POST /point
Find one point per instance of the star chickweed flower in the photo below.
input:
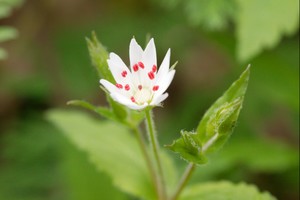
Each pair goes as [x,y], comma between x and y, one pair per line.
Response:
[144,84]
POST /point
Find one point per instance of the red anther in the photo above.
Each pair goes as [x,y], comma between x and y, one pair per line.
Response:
[140,87]
[132,99]
[119,86]
[127,87]
[154,68]
[135,67]
[124,73]
[151,75]
[141,65]
[155,88]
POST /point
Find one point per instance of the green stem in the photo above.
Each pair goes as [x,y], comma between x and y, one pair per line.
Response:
[154,144]
[184,180]
[149,164]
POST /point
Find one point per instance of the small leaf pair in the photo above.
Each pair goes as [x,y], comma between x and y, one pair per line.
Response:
[216,125]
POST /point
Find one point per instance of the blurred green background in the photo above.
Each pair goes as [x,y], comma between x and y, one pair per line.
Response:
[47,64]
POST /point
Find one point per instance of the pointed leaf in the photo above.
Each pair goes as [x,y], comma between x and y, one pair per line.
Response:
[99,57]
[216,125]
[113,150]
[228,104]
[110,147]
[224,190]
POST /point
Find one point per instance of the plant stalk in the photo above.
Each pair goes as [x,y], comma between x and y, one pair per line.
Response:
[155,148]
[143,146]
[184,180]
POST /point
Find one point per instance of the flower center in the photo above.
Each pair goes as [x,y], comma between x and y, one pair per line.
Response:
[142,95]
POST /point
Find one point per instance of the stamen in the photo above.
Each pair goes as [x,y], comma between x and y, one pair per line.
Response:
[141,65]
[151,75]
[135,67]
[154,68]
[127,87]
[119,86]
[124,73]
[132,99]
[155,88]
[140,87]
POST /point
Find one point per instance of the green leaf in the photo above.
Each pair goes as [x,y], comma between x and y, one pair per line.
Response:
[99,57]
[119,110]
[224,112]
[112,149]
[216,125]
[257,30]
[11,2]
[7,33]
[99,185]
[212,14]
[224,191]
[4,11]
[220,125]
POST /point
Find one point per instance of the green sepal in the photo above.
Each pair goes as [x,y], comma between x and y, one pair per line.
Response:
[99,57]
[130,118]
[102,111]
[216,126]
[120,111]
[134,118]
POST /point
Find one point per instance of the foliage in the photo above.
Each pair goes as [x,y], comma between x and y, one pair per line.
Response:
[216,125]
[89,183]
[254,32]
[273,93]
[40,158]
[117,154]
[6,32]
[264,29]
[99,57]
[129,163]
[224,190]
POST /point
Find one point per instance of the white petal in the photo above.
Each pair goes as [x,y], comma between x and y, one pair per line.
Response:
[117,66]
[165,65]
[149,55]
[126,101]
[135,53]
[164,83]
[108,85]
[158,99]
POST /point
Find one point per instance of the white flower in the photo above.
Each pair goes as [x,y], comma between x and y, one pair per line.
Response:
[144,84]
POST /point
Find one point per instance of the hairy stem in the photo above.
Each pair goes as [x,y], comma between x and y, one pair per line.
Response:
[184,180]
[155,148]
[143,146]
